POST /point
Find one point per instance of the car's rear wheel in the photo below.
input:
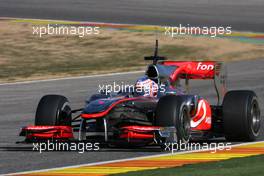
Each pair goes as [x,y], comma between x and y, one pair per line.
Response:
[172,111]
[53,110]
[241,116]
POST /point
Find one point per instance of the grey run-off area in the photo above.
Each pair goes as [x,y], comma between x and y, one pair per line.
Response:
[243,15]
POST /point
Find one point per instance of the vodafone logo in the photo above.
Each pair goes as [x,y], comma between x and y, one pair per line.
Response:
[202,66]
[201,110]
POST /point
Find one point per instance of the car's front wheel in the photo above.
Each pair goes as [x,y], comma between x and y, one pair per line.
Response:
[53,110]
[172,111]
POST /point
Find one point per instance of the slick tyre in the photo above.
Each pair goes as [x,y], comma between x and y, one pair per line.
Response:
[53,110]
[172,111]
[241,116]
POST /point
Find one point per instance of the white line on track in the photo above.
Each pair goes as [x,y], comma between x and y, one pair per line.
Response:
[71,78]
[121,160]
[107,23]
[92,22]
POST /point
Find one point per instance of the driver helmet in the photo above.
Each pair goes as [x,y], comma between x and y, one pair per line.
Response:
[146,87]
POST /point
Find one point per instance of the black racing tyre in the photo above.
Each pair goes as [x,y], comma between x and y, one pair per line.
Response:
[53,110]
[172,111]
[241,116]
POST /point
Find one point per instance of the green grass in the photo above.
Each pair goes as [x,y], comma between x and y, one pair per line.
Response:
[248,166]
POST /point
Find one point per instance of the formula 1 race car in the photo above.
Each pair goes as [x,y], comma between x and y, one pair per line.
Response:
[164,116]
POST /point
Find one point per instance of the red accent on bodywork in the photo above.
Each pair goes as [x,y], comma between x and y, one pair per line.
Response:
[138,132]
[133,135]
[141,128]
[46,132]
[193,69]
[202,120]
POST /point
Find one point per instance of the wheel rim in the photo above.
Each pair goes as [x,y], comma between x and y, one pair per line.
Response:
[255,118]
[64,114]
[185,126]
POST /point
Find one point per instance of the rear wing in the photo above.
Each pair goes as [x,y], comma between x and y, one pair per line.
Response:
[191,69]
[199,70]
[194,69]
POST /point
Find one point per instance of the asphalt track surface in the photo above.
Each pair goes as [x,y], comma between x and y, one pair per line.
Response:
[242,15]
[18,103]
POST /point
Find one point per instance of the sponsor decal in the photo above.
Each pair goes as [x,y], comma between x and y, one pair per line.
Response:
[202,66]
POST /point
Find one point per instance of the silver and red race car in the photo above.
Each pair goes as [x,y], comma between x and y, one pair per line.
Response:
[167,114]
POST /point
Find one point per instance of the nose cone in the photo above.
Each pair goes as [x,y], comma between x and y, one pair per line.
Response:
[98,106]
